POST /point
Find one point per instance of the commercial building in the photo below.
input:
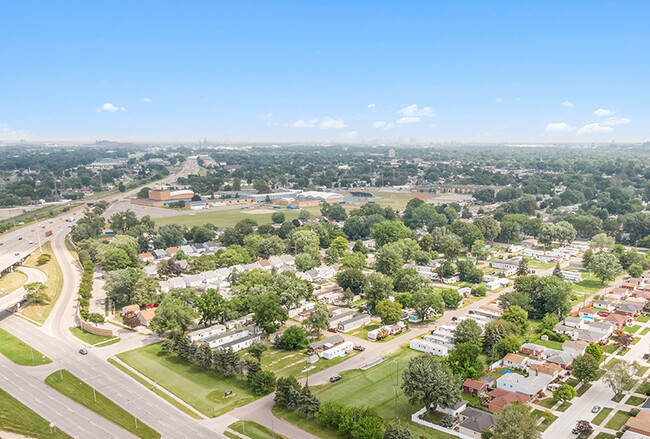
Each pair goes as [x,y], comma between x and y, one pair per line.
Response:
[164,197]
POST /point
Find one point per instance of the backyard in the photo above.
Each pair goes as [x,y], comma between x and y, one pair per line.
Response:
[202,390]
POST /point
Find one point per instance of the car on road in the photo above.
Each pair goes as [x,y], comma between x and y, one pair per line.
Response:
[335,378]
[83,351]
[332,329]
[359,348]
[646,356]
[16,254]
[20,238]
[595,409]
[575,430]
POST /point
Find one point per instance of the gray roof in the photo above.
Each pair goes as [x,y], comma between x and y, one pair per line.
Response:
[335,339]
[239,340]
[477,420]
[355,319]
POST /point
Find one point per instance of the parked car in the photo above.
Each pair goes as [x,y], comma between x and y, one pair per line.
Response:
[646,356]
[333,329]
[603,314]
[20,238]
[83,351]
[359,348]
[335,378]
[575,430]
[595,409]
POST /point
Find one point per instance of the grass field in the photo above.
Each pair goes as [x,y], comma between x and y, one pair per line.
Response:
[20,352]
[12,281]
[643,319]
[202,390]
[618,420]
[228,218]
[78,391]
[155,389]
[373,388]
[254,430]
[635,400]
[93,339]
[549,418]
[603,435]
[632,329]
[285,363]
[17,418]
[53,284]
[600,417]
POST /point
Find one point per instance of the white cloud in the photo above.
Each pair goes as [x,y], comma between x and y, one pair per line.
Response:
[350,135]
[413,110]
[611,121]
[559,127]
[371,106]
[384,125]
[110,107]
[6,133]
[568,104]
[603,112]
[595,128]
[304,123]
[499,100]
[266,115]
[146,100]
[329,123]
[408,120]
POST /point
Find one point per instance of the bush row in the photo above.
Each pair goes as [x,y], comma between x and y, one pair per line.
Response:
[86,286]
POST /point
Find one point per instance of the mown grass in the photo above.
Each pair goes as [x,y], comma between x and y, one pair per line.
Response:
[12,281]
[75,389]
[93,339]
[20,352]
[228,218]
[53,285]
[19,419]
[254,430]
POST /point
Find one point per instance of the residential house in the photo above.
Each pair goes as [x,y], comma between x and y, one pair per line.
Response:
[529,385]
[225,340]
[603,327]
[575,347]
[354,323]
[265,264]
[589,336]
[276,261]
[575,322]
[159,254]
[387,329]
[455,409]
[549,369]
[604,305]
[241,343]
[473,422]
[640,423]
[194,280]
[532,349]
[146,257]
[334,321]
[451,279]
[588,312]
[203,333]
[628,309]
[337,351]
[515,361]
[288,259]
[571,276]
[150,270]
[171,251]
[318,346]
[503,264]
[561,358]
[130,308]
[146,315]
[475,387]
[429,347]
[499,398]
[620,320]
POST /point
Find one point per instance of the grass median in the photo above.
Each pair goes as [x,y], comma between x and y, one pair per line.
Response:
[254,430]
[12,281]
[92,339]
[80,392]
[53,285]
[19,419]
[20,352]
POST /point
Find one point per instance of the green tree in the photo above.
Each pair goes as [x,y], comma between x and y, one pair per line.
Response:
[389,312]
[585,368]
[294,337]
[305,241]
[277,217]
[602,241]
[305,262]
[596,351]
[518,316]
[264,382]
[257,349]
[390,231]
[36,293]
[211,306]
[452,298]
[489,227]
[389,260]
[446,269]
[468,331]
[172,315]
[635,270]
[465,361]
[516,422]
[116,259]
[378,288]
[429,381]
[426,301]
[619,377]
[549,321]
[564,393]
[172,234]
[318,320]
[605,266]
[352,279]
[270,315]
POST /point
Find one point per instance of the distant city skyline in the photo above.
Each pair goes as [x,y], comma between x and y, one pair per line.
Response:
[326,72]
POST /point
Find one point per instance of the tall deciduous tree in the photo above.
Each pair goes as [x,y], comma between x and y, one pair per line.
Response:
[516,422]
[430,381]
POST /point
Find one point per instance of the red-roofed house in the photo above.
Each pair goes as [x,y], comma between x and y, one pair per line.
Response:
[499,398]
[475,387]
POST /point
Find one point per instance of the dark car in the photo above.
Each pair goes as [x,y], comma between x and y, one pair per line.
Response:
[359,348]
[83,351]
[646,356]
[335,378]
[575,430]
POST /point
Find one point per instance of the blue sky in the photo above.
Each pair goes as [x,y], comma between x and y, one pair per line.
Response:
[327,71]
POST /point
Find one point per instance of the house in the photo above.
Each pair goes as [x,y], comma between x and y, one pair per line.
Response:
[354,323]
[562,359]
[620,320]
[465,292]
[455,409]
[589,336]
[159,254]
[235,340]
[529,386]
[334,321]
[337,351]
[203,333]
[428,347]
[475,387]
[604,327]
[194,280]
[503,264]
[499,398]
[640,423]
[146,315]
[628,309]
[288,259]
[451,279]
[171,251]
[146,257]
[386,329]
[604,304]
[532,349]
[515,361]
[571,276]
[174,282]
[265,264]
[473,422]
[588,312]
[150,270]
[318,346]
[130,308]
[549,369]
[575,347]
[276,261]
[575,322]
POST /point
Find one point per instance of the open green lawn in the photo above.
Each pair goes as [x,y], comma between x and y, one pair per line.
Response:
[373,388]
[20,352]
[582,389]
[17,418]
[362,333]
[550,402]
[618,420]
[284,363]
[533,263]
[600,417]
[611,348]
[549,344]
[12,281]
[632,329]
[603,435]
[93,339]
[643,319]
[228,218]
[53,284]
[635,400]
[642,370]
[77,390]
[644,388]
[549,418]
[645,331]
[202,390]
[155,389]
[254,430]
